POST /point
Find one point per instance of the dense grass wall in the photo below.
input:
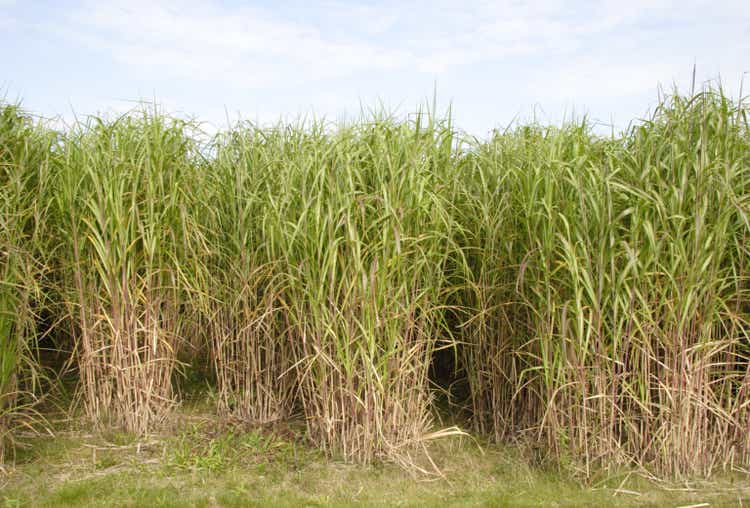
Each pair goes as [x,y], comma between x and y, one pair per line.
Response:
[593,290]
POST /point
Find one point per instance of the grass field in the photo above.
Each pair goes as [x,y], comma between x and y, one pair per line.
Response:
[384,286]
[197,463]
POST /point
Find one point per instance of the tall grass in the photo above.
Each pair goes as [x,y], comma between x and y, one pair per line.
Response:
[24,165]
[592,290]
[366,240]
[237,284]
[122,202]
[611,294]
[328,277]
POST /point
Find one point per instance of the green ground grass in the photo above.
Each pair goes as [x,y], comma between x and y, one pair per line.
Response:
[201,463]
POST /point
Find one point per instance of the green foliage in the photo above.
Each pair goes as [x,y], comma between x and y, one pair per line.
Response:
[122,196]
[608,309]
[193,451]
[593,292]
[24,155]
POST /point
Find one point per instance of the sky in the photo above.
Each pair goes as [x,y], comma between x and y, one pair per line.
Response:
[493,62]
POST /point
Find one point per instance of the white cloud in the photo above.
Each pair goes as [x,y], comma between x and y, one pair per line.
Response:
[251,46]
[255,47]
[6,20]
[202,41]
[325,55]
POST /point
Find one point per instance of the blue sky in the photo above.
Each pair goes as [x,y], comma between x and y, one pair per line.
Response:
[493,61]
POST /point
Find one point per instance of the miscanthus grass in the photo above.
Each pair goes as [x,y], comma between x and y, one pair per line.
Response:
[325,276]
[609,289]
[237,283]
[591,292]
[364,234]
[24,167]
[122,198]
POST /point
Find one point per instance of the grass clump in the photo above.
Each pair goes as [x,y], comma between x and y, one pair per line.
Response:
[611,294]
[364,235]
[25,150]
[237,282]
[328,267]
[121,202]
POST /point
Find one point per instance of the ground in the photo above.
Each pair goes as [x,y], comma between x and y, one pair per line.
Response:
[198,462]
